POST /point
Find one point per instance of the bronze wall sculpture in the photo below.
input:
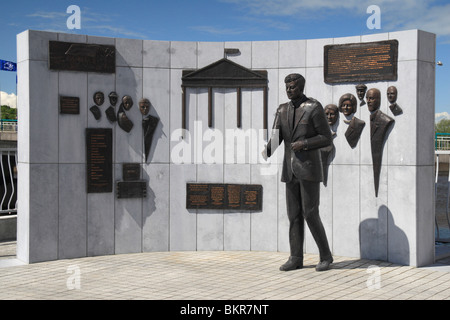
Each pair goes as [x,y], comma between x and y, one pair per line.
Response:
[380,126]
[82,57]
[348,106]
[69,105]
[392,94]
[99,98]
[149,124]
[361,62]
[361,90]
[96,112]
[224,74]
[99,160]
[113,98]
[132,187]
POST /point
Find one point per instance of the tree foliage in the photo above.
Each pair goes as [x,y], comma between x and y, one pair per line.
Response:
[9,113]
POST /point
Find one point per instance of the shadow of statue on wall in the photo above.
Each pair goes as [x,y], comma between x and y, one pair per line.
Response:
[381,239]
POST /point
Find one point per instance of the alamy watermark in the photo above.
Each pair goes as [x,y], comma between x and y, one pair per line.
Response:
[74,21]
[74,280]
[374,280]
[374,21]
[234,146]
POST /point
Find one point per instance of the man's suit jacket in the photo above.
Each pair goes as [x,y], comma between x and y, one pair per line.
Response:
[311,126]
[354,131]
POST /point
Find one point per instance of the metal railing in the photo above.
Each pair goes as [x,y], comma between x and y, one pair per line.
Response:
[8,181]
[8,125]
[442,196]
[442,142]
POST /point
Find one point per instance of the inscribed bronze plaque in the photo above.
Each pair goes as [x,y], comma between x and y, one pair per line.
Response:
[69,105]
[82,57]
[131,189]
[224,196]
[99,160]
[361,62]
[131,171]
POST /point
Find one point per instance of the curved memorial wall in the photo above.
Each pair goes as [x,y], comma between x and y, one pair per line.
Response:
[137,146]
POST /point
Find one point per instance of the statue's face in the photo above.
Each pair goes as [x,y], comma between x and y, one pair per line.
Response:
[293,90]
[332,116]
[113,98]
[392,94]
[99,98]
[127,102]
[373,99]
[361,93]
[347,108]
[144,106]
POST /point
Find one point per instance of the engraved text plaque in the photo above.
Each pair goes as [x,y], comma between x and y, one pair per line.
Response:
[99,160]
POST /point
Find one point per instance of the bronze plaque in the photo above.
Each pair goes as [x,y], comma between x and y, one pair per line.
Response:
[224,196]
[131,171]
[131,189]
[99,160]
[361,62]
[82,57]
[69,105]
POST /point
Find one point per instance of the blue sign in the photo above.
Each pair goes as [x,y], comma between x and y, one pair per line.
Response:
[8,65]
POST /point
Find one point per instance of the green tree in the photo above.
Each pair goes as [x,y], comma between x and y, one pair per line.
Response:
[9,113]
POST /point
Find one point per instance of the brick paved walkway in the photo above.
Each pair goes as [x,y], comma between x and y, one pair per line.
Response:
[217,276]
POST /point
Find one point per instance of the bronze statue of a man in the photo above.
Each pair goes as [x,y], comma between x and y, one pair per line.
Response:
[302,125]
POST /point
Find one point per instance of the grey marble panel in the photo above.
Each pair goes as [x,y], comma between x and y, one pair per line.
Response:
[346,210]
[129,146]
[292,54]
[72,148]
[129,52]
[43,214]
[183,222]
[100,224]
[72,224]
[44,131]
[156,54]
[156,84]
[210,223]
[155,227]
[127,221]
[264,223]
[237,224]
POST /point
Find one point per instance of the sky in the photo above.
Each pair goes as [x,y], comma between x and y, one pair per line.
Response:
[228,20]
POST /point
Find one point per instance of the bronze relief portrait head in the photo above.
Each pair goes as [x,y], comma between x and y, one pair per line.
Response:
[373,98]
[144,106]
[347,104]
[332,113]
[113,98]
[99,98]
[392,94]
[361,91]
[127,102]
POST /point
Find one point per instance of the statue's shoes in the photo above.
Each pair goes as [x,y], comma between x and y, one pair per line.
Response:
[324,265]
[293,263]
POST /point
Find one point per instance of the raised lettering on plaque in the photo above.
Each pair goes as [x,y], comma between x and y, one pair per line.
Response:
[99,160]
[361,62]
[82,57]
[224,196]
[69,105]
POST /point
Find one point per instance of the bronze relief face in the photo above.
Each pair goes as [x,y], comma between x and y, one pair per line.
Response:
[373,98]
[361,92]
[347,104]
[127,102]
[113,98]
[392,94]
[144,106]
[332,113]
[99,98]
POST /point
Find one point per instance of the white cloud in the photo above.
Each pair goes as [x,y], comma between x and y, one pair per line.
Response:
[427,15]
[442,115]
[8,99]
